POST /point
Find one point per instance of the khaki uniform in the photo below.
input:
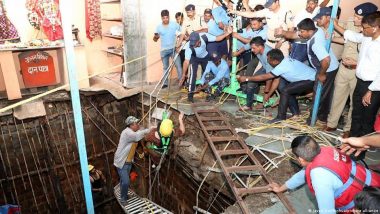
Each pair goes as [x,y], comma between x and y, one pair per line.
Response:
[282,18]
[191,25]
[345,82]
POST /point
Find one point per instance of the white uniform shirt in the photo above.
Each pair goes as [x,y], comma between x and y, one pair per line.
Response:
[368,68]
[282,18]
[304,15]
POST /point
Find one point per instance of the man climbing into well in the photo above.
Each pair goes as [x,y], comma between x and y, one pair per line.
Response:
[331,175]
[125,153]
[161,138]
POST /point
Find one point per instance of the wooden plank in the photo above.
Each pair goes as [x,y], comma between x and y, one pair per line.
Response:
[242,168]
[8,69]
[232,152]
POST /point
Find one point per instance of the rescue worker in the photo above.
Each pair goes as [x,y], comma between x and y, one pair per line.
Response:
[196,54]
[332,176]
[161,137]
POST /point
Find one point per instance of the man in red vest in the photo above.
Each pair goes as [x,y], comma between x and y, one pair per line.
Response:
[332,176]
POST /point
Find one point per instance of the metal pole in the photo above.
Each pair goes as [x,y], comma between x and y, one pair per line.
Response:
[65,7]
[318,92]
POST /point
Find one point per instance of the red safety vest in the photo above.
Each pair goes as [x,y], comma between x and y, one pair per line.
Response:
[353,176]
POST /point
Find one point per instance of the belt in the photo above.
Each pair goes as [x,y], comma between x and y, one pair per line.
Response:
[272,41]
[351,67]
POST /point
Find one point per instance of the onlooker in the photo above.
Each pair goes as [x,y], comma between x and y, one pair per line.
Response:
[366,97]
[298,50]
[345,80]
[254,29]
[167,32]
[214,29]
[192,23]
[276,16]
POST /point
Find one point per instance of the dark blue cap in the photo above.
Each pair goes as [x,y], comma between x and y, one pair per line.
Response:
[194,38]
[215,57]
[365,9]
[324,11]
[189,7]
[269,3]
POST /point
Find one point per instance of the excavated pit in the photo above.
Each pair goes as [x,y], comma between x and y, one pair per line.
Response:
[40,164]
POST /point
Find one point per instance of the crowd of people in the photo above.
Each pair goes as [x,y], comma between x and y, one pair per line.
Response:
[289,53]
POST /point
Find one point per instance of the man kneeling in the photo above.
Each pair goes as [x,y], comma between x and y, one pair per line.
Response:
[332,176]
[217,74]
[298,79]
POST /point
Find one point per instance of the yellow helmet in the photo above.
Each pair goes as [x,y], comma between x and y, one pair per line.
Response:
[166,128]
[90,167]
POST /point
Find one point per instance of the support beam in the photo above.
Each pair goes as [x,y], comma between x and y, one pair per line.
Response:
[318,93]
[65,7]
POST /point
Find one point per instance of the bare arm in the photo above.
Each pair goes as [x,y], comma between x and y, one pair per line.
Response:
[224,35]
[242,39]
[274,86]
[324,3]
[338,28]
[217,2]
[325,63]
[181,124]
[258,78]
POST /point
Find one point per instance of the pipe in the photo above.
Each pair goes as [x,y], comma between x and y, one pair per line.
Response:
[25,163]
[9,164]
[328,45]
[65,7]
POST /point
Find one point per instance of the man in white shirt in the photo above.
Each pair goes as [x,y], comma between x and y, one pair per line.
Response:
[366,97]
[298,47]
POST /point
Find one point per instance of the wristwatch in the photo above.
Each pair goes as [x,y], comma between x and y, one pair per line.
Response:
[246,79]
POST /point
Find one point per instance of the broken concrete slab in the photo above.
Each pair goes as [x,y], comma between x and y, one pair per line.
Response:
[302,200]
[32,109]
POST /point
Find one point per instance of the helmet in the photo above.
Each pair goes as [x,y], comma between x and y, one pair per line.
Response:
[90,167]
[166,128]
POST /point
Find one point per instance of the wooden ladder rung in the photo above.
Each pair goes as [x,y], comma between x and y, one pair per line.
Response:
[217,128]
[211,118]
[233,169]
[226,139]
[232,152]
[253,190]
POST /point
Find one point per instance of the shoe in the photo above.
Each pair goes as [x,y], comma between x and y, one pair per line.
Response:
[275,120]
[210,98]
[164,86]
[346,134]
[328,129]
[245,108]
[124,203]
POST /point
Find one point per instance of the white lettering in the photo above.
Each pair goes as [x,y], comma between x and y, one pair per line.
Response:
[38,56]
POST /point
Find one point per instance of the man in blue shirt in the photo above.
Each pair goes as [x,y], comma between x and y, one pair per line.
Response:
[197,54]
[255,28]
[217,74]
[260,49]
[167,32]
[299,80]
[323,61]
[214,29]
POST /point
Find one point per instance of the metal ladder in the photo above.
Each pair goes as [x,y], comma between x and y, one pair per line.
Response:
[229,148]
[138,205]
